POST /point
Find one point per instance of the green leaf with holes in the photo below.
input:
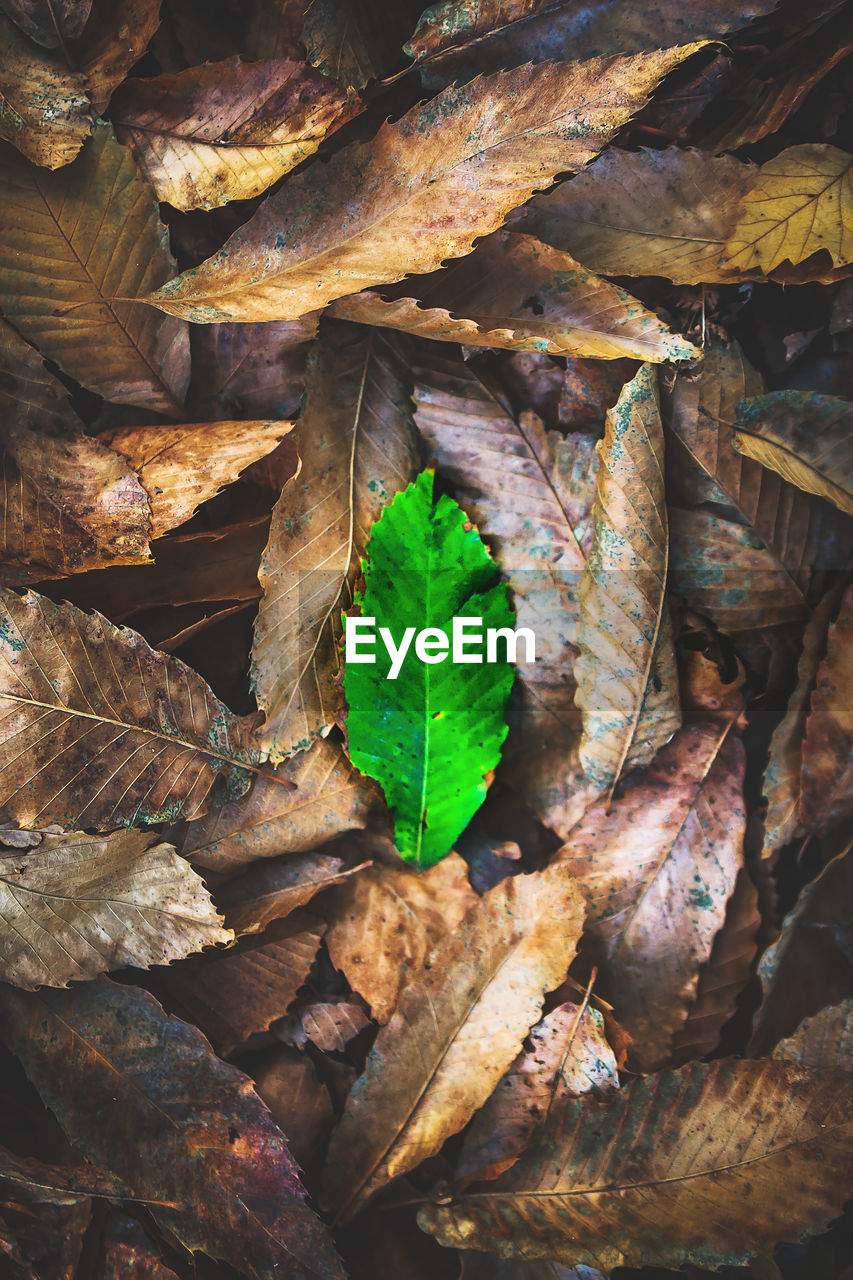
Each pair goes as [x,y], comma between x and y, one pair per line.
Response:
[430,734]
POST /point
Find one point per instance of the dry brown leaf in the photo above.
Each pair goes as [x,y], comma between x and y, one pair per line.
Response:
[800,203]
[44,111]
[384,922]
[71,504]
[823,1041]
[129,1253]
[627,683]
[355,41]
[419,192]
[487,1266]
[826,789]
[116,37]
[568,1054]
[107,731]
[299,1103]
[182,466]
[530,492]
[705,694]
[226,130]
[636,213]
[49,22]
[356,440]
[457,1028]
[270,890]
[82,905]
[330,1025]
[29,395]
[274,29]
[806,438]
[514,291]
[250,370]
[657,870]
[309,799]
[696,1164]
[73,240]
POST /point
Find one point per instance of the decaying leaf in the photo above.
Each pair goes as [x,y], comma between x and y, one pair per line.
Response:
[805,438]
[636,213]
[309,799]
[80,905]
[330,1025]
[568,1054]
[626,676]
[657,870]
[385,921]
[116,37]
[73,240]
[49,22]
[823,1041]
[420,192]
[514,291]
[530,492]
[129,1253]
[250,370]
[799,204]
[270,890]
[108,731]
[456,1029]
[692,1164]
[355,41]
[357,445]
[217,1171]
[71,504]
[44,111]
[226,130]
[183,466]
[826,794]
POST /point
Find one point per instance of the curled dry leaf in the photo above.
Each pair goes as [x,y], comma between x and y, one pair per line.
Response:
[49,22]
[356,441]
[183,466]
[306,800]
[806,438]
[82,905]
[636,213]
[657,869]
[410,195]
[226,130]
[152,1103]
[74,239]
[799,204]
[355,41]
[108,731]
[457,1028]
[823,1041]
[530,492]
[270,890]
[71,505]
[516,292]
[826,794]
[568,1054]
[627,683]
[45,112]
[384,922]
[694,1163]
[29,395]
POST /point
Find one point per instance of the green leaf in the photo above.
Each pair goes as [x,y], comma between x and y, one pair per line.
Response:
[430,735]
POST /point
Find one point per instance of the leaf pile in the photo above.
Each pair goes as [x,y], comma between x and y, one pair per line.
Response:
[320,311]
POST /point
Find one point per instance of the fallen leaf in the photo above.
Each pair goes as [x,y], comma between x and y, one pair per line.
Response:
[250,370]
[516,292]
[822,1042]
[635,213]
[49,22]
[657,870]
[355,41]
[384,922]
[226,130]
[799,204]
[183,466]
[60,1184]
[73,239]
[300,251]
[29,395]
[627,684]
[330,1025]
[568,1054]
[299,1103]
[82,905]
[693,1164]
[826,789]
[142,1094]
[116,37]
[486,1266]
[45,112]
[357,444]
[270,890]
[314,796]
[457,1028]
[274,29]
[530,493]
[128,1253]
[72,504]
[803,437]
[108,732]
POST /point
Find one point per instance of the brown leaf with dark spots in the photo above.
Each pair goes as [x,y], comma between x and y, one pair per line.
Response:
[45,112]
[49,22]
[142,1094]
[129,1253]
